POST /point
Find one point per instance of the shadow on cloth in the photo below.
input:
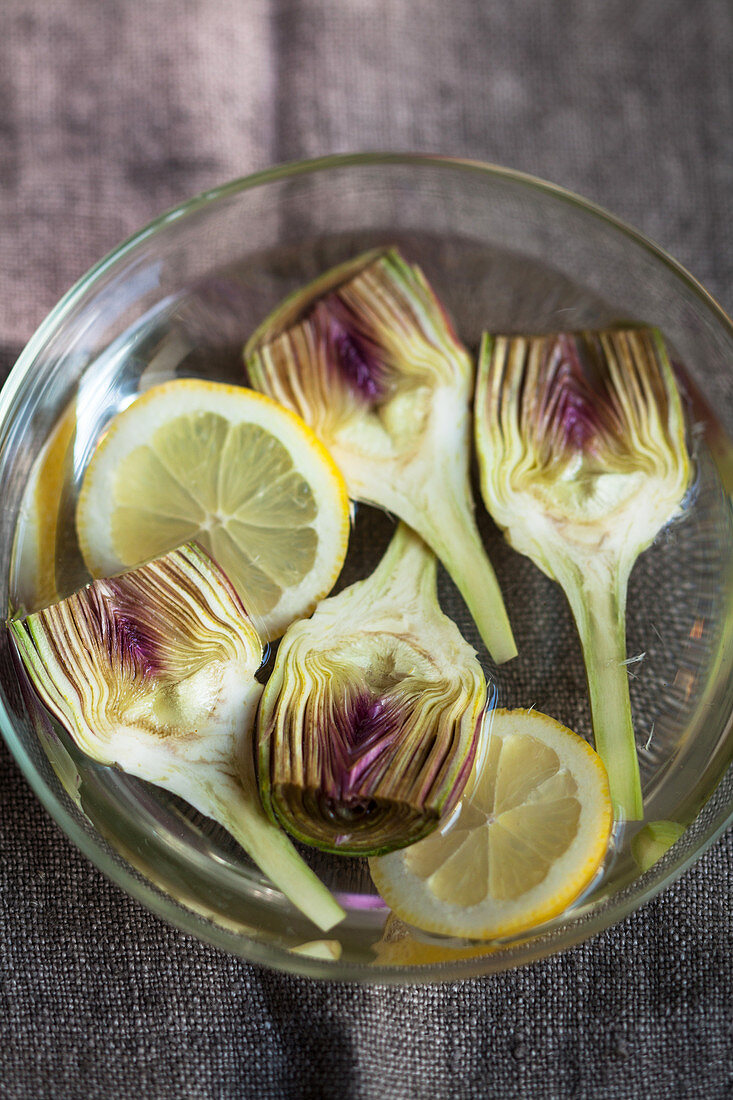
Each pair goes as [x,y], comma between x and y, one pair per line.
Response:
[317,1055]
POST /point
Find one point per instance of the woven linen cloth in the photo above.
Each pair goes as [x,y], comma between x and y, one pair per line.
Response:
[109,114]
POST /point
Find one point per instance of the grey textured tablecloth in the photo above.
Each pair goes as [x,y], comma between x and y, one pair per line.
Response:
[111,112]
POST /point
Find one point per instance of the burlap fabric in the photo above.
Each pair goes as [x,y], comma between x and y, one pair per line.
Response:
[109,113]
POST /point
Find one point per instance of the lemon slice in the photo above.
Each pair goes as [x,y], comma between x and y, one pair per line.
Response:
[39,541]
[532,831]
[399,946]
[231,469]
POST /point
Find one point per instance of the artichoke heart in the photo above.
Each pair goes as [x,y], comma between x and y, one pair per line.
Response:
[370,723]
[367,357]
[154,672]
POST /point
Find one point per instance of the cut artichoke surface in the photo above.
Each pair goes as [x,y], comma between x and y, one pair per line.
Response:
[367,357]
[583,460]
[371,720]
[154,672]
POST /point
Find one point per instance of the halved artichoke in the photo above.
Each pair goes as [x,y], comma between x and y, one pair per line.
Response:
[583,459]
[368,727]
[154,672]
[367,357]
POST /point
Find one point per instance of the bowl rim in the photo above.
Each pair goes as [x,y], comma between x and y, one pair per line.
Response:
[144,891]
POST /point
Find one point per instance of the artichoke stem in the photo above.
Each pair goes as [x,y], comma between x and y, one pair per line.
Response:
[600,616]
[454,538]
[242,815]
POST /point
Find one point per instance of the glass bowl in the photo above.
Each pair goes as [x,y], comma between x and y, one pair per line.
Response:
[505,252]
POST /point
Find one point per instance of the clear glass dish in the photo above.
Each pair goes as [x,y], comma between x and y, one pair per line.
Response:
[505,252]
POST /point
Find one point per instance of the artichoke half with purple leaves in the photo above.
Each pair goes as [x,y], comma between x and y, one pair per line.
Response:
[154,672]
[583,460]
[367,357]
[370,723]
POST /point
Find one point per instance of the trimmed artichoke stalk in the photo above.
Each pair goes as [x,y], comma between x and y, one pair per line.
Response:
[154,672]
[369,725]
[582,453]
[367,357]
[654,841]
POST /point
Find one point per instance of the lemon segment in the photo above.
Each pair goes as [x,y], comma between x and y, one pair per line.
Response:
[231,469]
[532,831]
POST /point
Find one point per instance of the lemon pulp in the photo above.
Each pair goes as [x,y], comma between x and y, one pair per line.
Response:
[532,831]
[234,471]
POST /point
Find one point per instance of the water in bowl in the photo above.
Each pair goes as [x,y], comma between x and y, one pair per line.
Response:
[679,609]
